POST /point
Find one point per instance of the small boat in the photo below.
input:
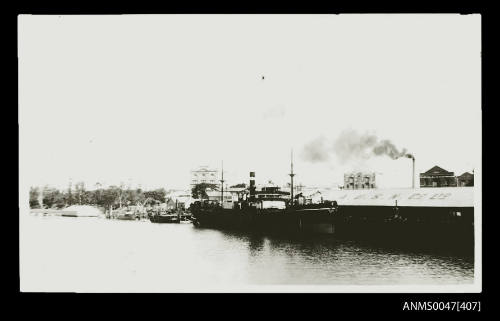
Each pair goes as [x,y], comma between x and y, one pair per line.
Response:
[127,215]
[165,218]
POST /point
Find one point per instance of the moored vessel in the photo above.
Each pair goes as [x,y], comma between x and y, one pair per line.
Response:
[164,217]
[267,210]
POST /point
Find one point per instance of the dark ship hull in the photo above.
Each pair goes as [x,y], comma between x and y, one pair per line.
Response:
[419,228]
[291,220]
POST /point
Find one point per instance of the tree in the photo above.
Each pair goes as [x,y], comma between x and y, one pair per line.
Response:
[52,197]
[34,193]
[109,196]
[80,191]
[200,190]
[134,196]
[139,196]
[157,194]
[89,197]
[69,198]
[112,196]
[241,185]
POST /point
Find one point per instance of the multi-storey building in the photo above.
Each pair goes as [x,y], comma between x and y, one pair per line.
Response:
[359,180]
[204,174]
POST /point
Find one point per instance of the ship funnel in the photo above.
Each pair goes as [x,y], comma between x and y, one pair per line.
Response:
[252,187]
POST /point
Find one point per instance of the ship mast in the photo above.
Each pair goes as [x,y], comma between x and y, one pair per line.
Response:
[291,178]
[222,185]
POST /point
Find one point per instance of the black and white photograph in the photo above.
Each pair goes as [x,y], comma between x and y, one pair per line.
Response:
[250,153]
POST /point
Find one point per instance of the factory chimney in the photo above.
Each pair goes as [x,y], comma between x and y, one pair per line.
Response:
[413,172]
[413,169]
[252,187]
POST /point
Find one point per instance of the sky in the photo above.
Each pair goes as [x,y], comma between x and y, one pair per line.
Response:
[143,99]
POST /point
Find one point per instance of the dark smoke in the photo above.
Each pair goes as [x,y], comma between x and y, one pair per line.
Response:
[386,147]
[351,145]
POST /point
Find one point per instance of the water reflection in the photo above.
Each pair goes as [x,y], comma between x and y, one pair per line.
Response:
[82,254]
[326,260]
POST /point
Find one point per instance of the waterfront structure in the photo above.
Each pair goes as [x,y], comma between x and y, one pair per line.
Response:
[182,197]
[420,216]
[466,179]
[438,177]
[204,174]
[359,180]
[359,211]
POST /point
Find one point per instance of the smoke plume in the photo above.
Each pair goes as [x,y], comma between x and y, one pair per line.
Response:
[352,146]
[316,151]
[386,147]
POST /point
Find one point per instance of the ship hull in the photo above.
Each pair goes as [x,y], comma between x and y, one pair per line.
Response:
[429,227]
[282,221]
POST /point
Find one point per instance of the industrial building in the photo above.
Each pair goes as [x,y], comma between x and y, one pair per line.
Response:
[466,179]
[438,177]
[359,180]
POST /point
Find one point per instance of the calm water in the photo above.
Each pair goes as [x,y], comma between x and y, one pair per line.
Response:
[99,255]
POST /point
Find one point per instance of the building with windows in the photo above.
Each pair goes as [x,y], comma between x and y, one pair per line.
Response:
[359,180]
[204,174]
[437,177]
[466,179]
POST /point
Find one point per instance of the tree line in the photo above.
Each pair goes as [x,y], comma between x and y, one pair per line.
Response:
[114,196]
